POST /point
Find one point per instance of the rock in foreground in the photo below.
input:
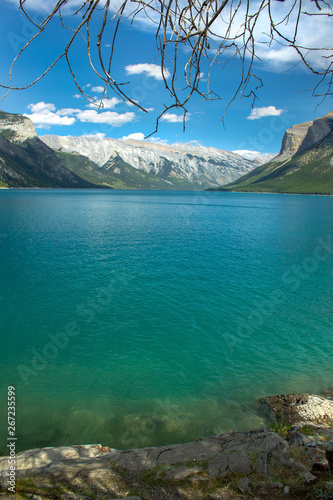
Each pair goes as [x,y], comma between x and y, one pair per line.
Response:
[258,464]
[292,409]
[234,465]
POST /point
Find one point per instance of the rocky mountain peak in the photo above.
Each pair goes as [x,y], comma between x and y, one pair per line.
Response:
[293,138]
[16,128]
[304,165]
[305,135]
[318,131]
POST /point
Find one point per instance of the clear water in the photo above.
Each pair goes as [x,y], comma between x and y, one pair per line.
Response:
[181,310]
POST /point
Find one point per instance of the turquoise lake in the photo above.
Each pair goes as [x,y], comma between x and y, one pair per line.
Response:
[135,318]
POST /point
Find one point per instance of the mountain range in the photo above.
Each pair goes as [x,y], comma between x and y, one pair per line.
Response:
[147,165]
[304,165]
[27,160]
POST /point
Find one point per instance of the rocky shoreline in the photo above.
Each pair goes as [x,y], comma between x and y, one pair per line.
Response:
[292,459]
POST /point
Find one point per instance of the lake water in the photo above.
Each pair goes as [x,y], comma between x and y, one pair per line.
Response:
[133,318]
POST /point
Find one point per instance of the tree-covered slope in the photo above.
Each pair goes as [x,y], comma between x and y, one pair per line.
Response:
[25,161]
[308,171]
[33,164]
[118,174]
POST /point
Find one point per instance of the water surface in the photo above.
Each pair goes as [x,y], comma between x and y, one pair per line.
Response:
[140,318]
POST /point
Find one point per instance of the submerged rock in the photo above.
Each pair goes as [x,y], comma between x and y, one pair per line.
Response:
[259,462]
[291,409]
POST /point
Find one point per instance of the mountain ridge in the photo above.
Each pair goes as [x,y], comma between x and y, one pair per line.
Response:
[179,165]
[304,165]
[25,161]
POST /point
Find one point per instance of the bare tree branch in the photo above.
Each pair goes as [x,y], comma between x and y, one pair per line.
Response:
[191,36]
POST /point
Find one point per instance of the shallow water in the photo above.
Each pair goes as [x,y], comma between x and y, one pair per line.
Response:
[142,318]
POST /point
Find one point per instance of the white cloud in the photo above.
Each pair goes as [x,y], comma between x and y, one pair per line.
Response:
[136,136]
[152,70]
[194,142]
[46,6]
[43,115]
[202,77]
[45,120]
[139,136]
[41,107]
[96,135]
[131,105]
[173,118]
[246,153]
[108,117]
[98,89]
[77,96]
[158,140]
[105,103]
[254,155]
[67,111]
[313,31]
[257,113]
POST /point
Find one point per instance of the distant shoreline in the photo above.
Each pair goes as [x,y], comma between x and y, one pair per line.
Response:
[212,190]
[264,192]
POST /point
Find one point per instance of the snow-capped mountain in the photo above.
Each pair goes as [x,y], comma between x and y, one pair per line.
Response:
[205,167]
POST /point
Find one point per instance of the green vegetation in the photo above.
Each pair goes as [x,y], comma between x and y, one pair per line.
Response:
[301,455]
[33,164]
[310,172]
[85,168]
[32,487]
[306,430]
[154,483]
[12,117]
[15,174]
[281,429]
[8,134]
[118,174]
[25,161]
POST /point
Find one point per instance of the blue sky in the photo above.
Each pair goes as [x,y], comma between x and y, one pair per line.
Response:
[56,106]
